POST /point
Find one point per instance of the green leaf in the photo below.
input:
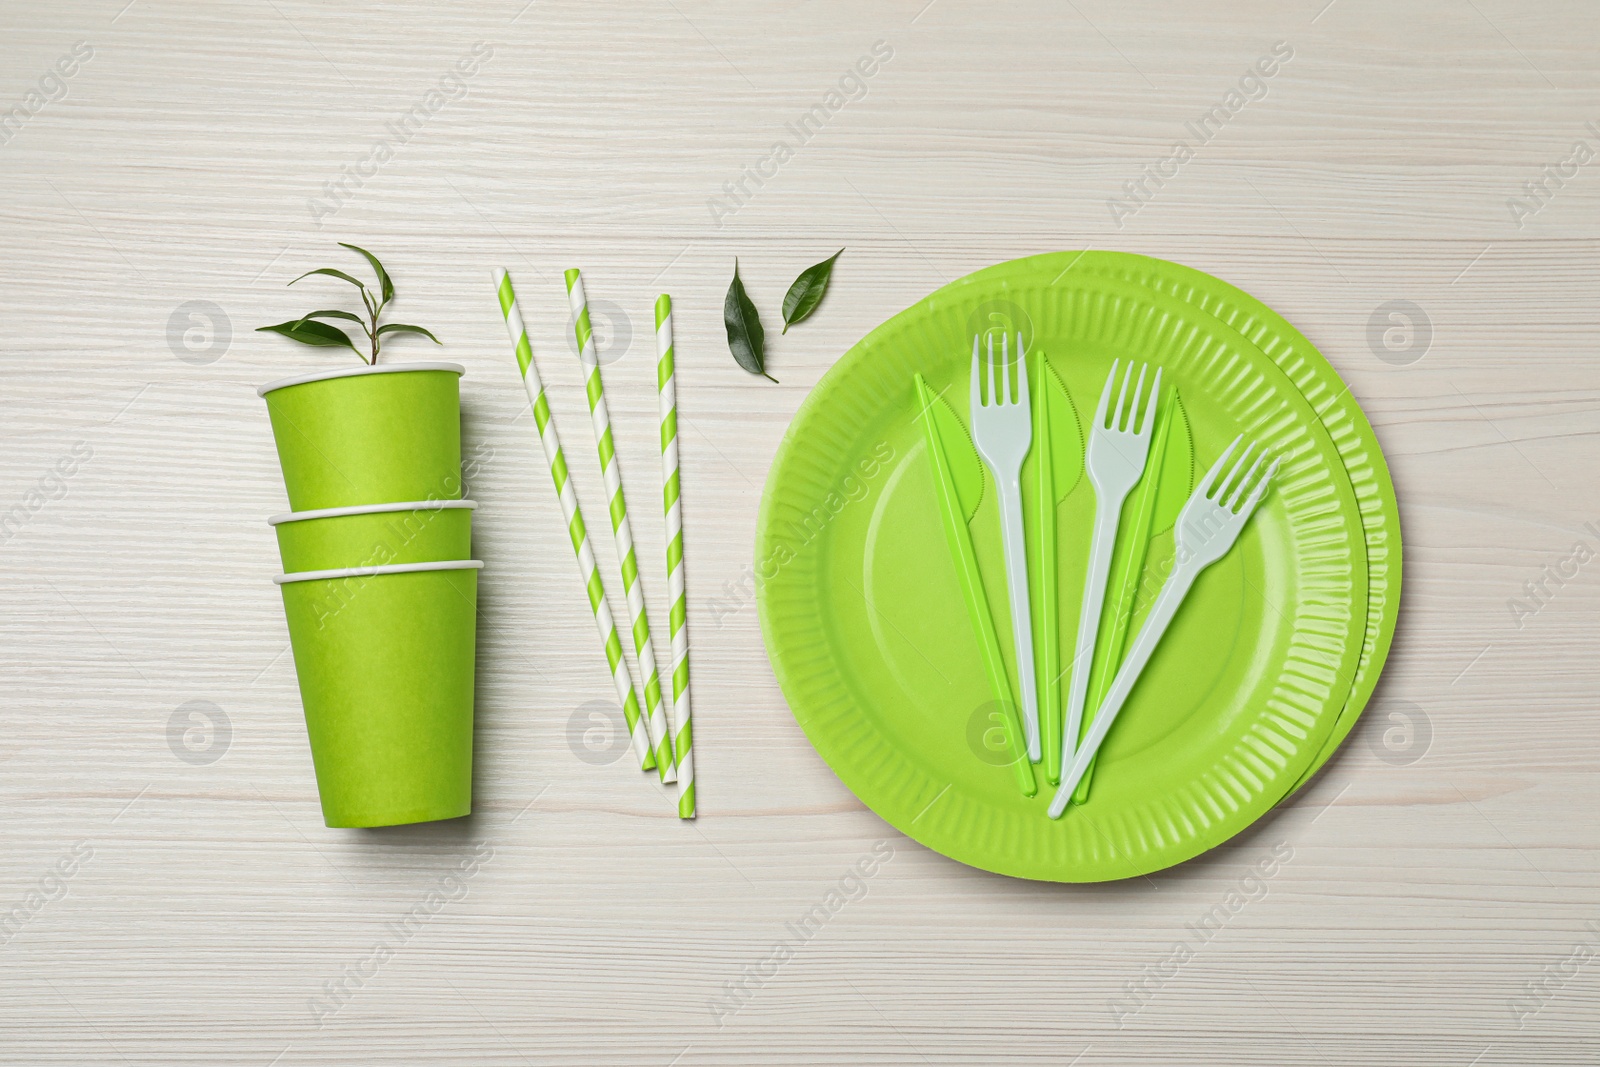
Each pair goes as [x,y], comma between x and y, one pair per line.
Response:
[335,315]
[806,292]
[330,272]
[310,332]
[400,327]
[384,284]
[746,339]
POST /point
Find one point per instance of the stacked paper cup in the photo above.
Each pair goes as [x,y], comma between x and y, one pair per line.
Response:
[379,586]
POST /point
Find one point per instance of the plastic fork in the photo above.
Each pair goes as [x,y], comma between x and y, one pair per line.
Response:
[1002,429]
[1207,528]
[1119,445]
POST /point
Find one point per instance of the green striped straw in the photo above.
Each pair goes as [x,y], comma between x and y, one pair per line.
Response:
[666,381]
[656,718]
[575,527]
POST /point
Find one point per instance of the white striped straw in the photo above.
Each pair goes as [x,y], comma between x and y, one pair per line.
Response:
[666,381]
[655,717]
[576,529]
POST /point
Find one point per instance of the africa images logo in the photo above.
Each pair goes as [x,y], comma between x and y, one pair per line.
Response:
[1251,88]
[850,88]
[52,86]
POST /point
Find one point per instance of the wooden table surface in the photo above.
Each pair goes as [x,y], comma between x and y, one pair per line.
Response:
[167,167]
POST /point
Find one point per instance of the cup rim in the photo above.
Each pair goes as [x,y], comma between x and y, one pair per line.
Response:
[368,509]
[387,568]
[351,372]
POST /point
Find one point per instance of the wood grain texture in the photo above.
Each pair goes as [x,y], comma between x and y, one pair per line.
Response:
[1421,898]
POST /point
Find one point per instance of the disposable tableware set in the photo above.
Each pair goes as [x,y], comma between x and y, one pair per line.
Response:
[1192,588]
[1164,610]
[661,735]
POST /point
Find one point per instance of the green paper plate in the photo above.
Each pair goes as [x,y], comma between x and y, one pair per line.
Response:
[869,637]
[1352,434]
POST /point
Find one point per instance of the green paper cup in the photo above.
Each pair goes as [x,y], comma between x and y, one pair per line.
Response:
[385,660]
[368,435]
[374,535]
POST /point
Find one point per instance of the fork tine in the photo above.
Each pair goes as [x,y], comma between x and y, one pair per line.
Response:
[977,388]
[1150,404]
[1022,373]
[1236,494]
[1261,491]
[1122,397]
[994,397]
[1138,394]
[1105,396]
[1005,368]
[1229,483]
[1210,480]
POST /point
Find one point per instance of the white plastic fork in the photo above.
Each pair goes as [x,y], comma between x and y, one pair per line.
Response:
[1119,445]
[1003,431]
[1207,527]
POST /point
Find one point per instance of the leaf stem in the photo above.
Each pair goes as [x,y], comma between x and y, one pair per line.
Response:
[371,304]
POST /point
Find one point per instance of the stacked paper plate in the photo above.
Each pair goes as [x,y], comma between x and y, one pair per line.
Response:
[1267,665]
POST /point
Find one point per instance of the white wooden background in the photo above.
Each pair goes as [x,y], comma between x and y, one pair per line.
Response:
[1432,884]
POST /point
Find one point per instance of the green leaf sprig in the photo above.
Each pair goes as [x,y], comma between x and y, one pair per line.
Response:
[308,331]
[807,291]
[746,339]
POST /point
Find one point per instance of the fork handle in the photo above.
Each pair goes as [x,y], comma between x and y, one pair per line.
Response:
[1016,552]
[1171,597]
[1102,546]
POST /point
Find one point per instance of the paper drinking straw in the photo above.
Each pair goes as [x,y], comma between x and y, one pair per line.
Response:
[575,527]
[666,382]
[656,718]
